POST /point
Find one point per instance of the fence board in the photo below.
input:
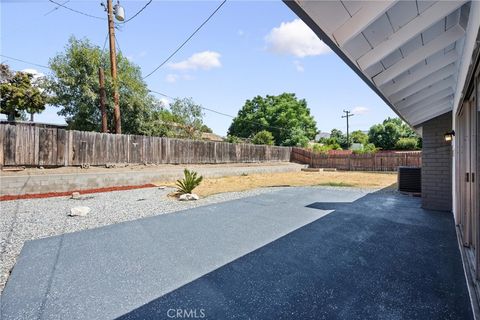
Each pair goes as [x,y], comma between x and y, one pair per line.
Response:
[9,146]
[2,142]
[47,152]
[61,147]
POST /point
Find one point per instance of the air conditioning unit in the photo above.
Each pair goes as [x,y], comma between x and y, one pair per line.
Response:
[410,179]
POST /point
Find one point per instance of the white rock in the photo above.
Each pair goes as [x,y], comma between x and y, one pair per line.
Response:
[75,195]
[79,211]
[194,196]
[188,197]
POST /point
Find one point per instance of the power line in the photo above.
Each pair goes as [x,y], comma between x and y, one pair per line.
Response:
[118,45]
[102,60]
[221,113]
[24,61]
[56,8]
[162,94]
[105,43]
[77,11]
[138,12]
[188,39]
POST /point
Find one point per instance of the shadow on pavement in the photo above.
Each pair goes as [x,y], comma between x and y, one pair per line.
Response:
[379,257]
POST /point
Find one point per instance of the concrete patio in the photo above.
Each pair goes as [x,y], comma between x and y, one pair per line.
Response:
[318,252]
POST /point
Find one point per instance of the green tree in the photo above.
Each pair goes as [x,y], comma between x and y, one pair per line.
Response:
[404,129]
[406,144]
[263,137]
[386,134]
[75,89]
[189,114]
[19,95]
[161,123]
[282,115]
[337,137]
[5,73]
[359,137]
[297,137]
[206,129]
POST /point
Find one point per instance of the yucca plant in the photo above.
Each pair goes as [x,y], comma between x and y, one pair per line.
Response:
[190,181]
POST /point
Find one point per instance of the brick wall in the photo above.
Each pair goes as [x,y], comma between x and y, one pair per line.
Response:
[437,164]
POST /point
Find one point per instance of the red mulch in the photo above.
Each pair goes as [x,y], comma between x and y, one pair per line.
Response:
[68,193]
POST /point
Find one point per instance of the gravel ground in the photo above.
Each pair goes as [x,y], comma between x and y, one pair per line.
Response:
[24,220]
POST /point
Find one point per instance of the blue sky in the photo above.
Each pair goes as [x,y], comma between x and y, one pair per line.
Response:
[249,48]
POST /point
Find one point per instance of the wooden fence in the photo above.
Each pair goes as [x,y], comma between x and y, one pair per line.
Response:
[27,145]
[380,161]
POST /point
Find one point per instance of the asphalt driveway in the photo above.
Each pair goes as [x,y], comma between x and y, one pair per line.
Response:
[297,253]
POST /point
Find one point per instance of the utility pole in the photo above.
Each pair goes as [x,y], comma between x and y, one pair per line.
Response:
[113,68]
[103,98]
[347,115]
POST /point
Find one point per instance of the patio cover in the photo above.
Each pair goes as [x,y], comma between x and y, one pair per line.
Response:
[414,54]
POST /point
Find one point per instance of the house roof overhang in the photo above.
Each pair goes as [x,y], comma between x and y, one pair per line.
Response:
[412,53]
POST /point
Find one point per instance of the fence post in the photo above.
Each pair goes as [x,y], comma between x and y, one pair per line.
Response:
[2,144]
[128,148]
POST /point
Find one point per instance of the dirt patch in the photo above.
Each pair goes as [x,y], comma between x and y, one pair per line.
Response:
[244,182]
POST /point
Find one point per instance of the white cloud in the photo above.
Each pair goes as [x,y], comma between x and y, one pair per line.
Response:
[172,77]
[136,56]
[360,110]
[201,60]
[298,66]
[295,38]
[240,32]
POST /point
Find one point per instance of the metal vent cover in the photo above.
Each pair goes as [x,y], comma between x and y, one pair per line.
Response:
[410,179]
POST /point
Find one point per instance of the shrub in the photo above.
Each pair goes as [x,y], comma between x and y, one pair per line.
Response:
[406,144]
[323,148]
[263,137]
[233,139]
[335,146]
[367,148]
[190,181]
